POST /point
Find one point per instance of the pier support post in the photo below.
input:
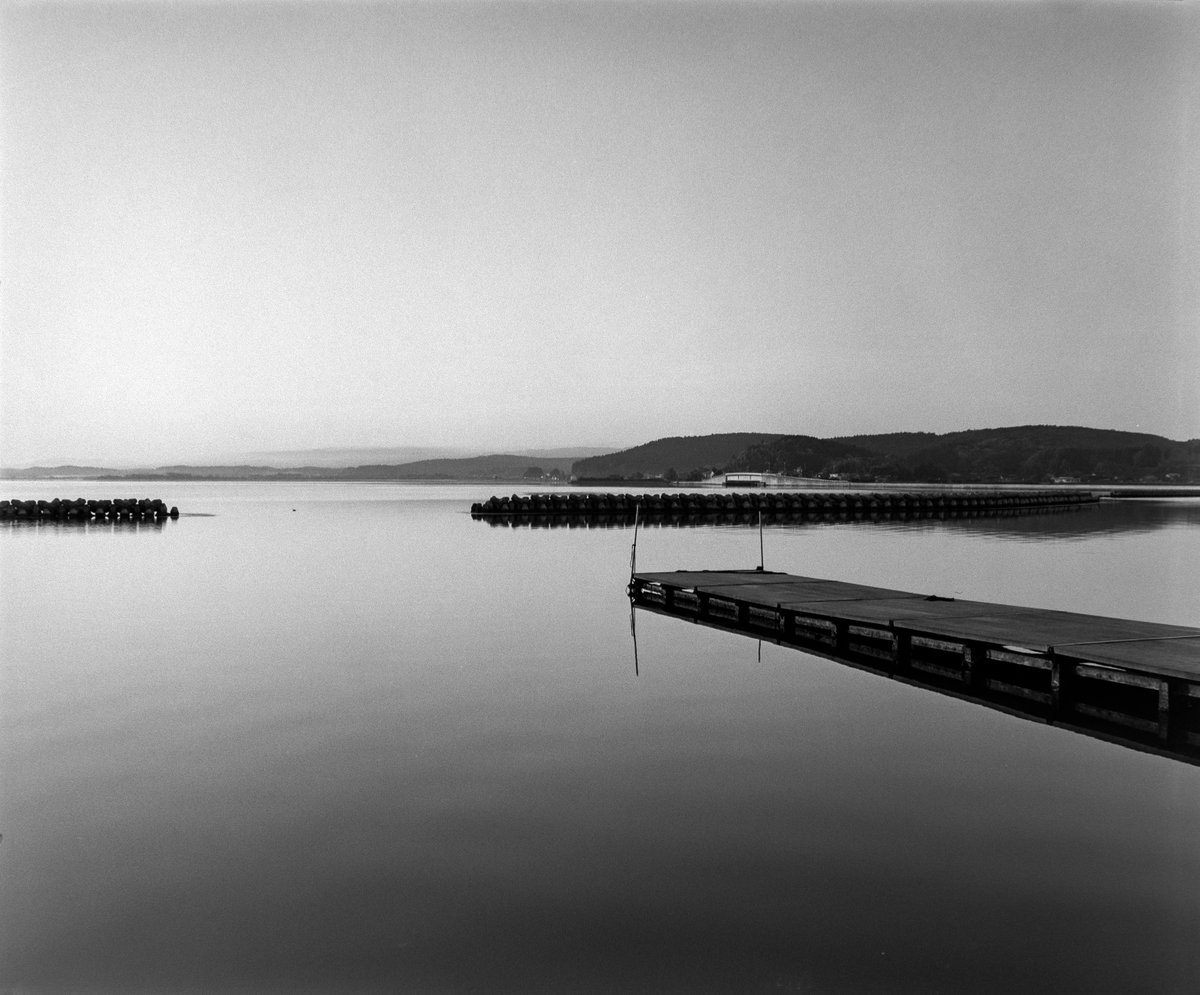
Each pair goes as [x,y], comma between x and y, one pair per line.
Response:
[974,661]
[842,636]
[1173,711]
[1062,686]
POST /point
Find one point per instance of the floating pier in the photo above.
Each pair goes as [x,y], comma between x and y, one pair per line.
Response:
[79,510]
[773,505]
[1135,683]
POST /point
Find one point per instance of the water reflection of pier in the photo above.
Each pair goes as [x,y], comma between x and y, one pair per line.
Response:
[1129,682]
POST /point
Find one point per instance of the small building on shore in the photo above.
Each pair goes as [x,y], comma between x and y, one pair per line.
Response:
[748,479]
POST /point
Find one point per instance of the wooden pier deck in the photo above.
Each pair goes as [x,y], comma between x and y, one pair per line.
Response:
[1136,678]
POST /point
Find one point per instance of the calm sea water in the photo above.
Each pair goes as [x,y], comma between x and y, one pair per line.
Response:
[343,738]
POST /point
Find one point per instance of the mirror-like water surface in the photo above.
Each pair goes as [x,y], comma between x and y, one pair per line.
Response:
[341,737]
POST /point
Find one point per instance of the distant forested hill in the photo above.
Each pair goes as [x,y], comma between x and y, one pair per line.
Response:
[1021,436]
[1021,454]
[686,454]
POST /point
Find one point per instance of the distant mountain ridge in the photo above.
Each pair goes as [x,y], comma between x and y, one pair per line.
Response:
[1018,454]
[333,457]
[504,466]
[336,457]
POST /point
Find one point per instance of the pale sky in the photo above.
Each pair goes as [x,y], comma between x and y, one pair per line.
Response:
[257,226]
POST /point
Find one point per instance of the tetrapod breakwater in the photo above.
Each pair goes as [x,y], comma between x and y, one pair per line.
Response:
[718,505]
[80,510]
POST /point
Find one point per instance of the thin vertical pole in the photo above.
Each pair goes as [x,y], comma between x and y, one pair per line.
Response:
[633,552]
[762,563]
[633,570]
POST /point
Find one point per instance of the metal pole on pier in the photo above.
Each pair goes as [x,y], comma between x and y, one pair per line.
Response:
[633,552]
[762,563]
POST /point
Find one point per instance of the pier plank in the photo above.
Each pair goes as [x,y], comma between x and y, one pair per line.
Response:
[1173,656]
[882,611]
[816,591]
[1044,630]
[708,578]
